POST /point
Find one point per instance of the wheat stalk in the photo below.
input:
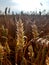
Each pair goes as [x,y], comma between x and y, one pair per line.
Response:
[19,40]
[20,33]
[35,31]
[1,54]
[47,60]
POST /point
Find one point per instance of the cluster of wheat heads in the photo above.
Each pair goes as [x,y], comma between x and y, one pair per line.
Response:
[4,47]
[20,43]
[41,47]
